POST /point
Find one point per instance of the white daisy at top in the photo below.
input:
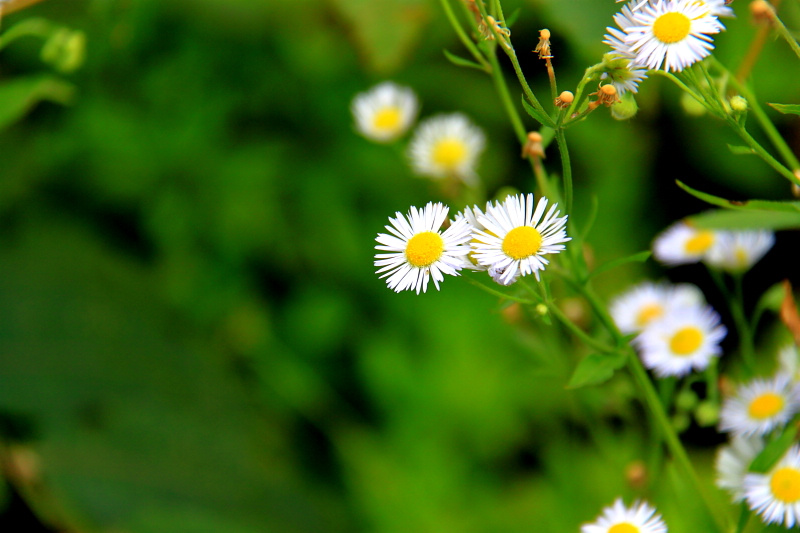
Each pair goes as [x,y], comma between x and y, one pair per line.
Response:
[447,146]
[672,34]
[517,237]
[418,251]
[681,342]
[639,518]
[633,310]
[682,244]
[775,496]
[615,38]
[737,251]
[760,406]
[733,461]
[385,112]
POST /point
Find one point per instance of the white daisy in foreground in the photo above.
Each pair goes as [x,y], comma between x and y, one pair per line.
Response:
[447,146]
[640,518]
[635,309]
[733,461]
[615,38]
[775,496]
[517,237]
[681,342]
[760,406]
[737,251]
[672,34]
[385,112]
[418,251]
[682,244]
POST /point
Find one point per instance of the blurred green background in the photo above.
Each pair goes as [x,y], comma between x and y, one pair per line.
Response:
[192,336]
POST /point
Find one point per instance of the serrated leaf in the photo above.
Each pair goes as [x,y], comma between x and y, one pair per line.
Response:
[774,450]
[595,369]
[639,257]
[744,220]
[740,150]
[791,109]
[539,117]
[460,61]
[20,95]
[765,205]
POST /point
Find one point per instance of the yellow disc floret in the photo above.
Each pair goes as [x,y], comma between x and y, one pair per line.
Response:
[648,313]
[387,119]
[522,242]
[785,485]
[449,153]
[623,527]
[671,27]
[701,242]
[766,406]
[424,249]
[686,341]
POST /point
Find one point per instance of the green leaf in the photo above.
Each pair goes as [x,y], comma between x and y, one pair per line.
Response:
[595,369]
[740,150]
[774,450]
[539,117]
[512,18]
[461,62]
[765,205]
[20,95]
[639,257]
[743,220]
[792,109]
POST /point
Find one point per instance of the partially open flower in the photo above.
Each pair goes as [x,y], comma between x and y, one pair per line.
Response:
[543,47]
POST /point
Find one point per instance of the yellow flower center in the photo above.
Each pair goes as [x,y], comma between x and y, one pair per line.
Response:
[623,527]
[741,256]
[648,313]
[671,27]
[701,242]
[449,153]
[424,249]
[686,341]
[522,242]
[387,119]
[765,406]
[785,485]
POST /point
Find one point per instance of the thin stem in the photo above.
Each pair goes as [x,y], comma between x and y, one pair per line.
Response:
[566,167]
[505,98]
[462,35]
[762,152]
[785,33]
[736,303]
[500,294]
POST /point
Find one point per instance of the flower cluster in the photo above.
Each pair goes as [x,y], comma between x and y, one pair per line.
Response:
[510,239]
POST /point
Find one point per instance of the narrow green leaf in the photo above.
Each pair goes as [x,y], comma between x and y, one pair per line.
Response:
[461,62]
[740,150]
[774,450]
[764,205]
[539,117]
[19,95]
[595,369]
[512,18]
[792,109]
[743,220]
[639,257]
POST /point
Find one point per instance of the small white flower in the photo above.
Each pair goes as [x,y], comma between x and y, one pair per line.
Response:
[672,34]
[775,496]
[418,251]
[682,244]
[760,406]
[636,308]
[622,72]
[681,342]
[516,237]
[447,146]
[385,112]
[640,518]
[733,461]
[737,251]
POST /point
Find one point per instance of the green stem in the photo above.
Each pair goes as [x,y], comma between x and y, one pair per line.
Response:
[784,32]
[462,35]
[736,303]
[35,27]
[566,167]
[763,154]
[499,294]
[505,98]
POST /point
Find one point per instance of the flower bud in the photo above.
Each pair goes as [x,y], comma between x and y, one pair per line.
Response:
[65,50]
[625,108]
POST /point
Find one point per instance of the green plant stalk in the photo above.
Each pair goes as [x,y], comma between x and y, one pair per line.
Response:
[588,75]
[762,153]
[784,32]
[35,27]
[463,37]
[566,167]
[505,97]
[736,304]
[500,294]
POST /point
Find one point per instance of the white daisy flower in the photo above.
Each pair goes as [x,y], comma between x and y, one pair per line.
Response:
[640,518]
[615,38]
[760,406]
[516,237]
[789,362]
[447,146]
[471,214]
[732,462]
[418,251]
[622,72]
[672,34]
[635,309]
[681,342]
[682,244]
[718,8]
[737,251]
[385,112]
[775,496]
